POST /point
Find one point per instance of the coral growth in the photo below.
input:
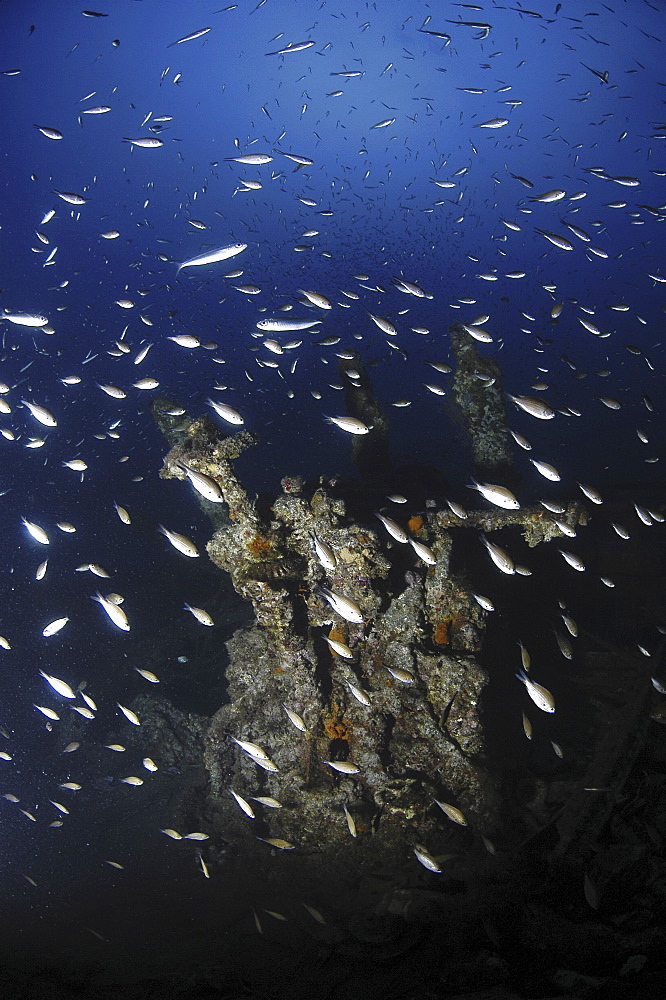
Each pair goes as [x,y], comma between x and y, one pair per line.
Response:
[399,709]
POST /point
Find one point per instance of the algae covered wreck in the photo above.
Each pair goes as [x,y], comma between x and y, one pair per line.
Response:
[353,734]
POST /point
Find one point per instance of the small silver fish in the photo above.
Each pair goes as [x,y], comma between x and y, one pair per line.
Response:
[349,424]
[360,696]
[279,325]
[146,142]
[243,804]
[527,727]
[115,613]
[295,719]
[223,253]
[351,825]
[393,528]
[546,470]
[227,412]
[122,513]
[324,552]
[423,552]
[129,715]
[24,319]
[425,857]
[54,626]
[452,812]
[251,749]
[502,560]
[340,648]
[180,542]
[41,414]
[540,695]
[343,766]
[36,531]
[498,495]
[573,560]
[535,407]
[201,616]
[60,687]
[404,676]
[345,606]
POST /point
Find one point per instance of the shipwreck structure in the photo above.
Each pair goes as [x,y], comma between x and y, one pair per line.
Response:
[352,738]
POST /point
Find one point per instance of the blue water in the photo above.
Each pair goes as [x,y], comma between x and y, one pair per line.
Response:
[226,97]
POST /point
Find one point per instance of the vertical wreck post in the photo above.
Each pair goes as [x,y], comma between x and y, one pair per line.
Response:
[477,385]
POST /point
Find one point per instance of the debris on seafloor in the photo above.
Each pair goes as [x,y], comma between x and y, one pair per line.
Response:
[371,646]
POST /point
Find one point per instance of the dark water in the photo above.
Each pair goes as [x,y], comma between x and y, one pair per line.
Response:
[588,85]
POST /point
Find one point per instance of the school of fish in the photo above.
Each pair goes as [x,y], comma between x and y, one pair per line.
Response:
[245,272]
